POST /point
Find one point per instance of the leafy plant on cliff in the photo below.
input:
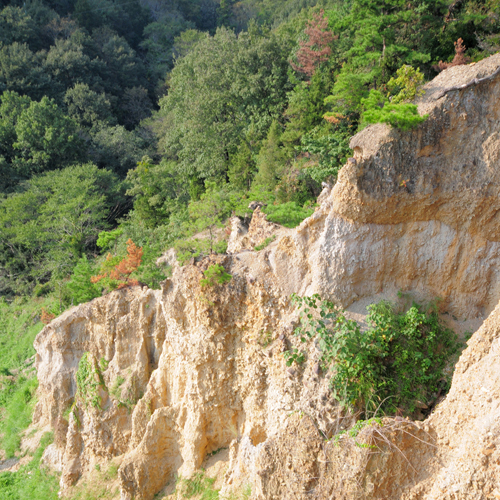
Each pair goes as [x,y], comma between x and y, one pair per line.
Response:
[378,109]
[215,275]
[395,366]
[88,380]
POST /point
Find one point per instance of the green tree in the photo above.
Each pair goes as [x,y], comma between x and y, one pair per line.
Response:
[15,26]
[378,109]
[271,160]
[45,138]
[211,210]
[158,191]
[53,221]
[406,86]
[221,88]
[23,71]
[241,168]
[88,108]
[80,286]
[117,148]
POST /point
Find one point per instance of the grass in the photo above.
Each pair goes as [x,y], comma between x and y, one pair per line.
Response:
[264,244]
[32,481]
[199,486]
[19,325]
[97,486]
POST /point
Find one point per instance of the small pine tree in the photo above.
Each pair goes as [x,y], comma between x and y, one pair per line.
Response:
[271,159]
[378,109]
[406,86]
[241,168]
[80,285]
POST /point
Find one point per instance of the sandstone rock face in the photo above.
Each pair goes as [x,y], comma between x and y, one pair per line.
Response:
[184,371]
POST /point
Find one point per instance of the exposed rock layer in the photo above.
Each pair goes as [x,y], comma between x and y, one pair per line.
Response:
[187,370]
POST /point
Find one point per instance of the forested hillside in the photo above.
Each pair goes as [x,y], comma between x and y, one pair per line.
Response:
[129,127]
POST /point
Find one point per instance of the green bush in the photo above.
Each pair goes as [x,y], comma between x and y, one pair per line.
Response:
[396,364]
[215,275]
[287,214]
[378,109]
[88,380]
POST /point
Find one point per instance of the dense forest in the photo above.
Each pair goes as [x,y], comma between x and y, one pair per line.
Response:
[130,127]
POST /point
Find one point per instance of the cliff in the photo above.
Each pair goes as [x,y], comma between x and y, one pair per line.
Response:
[176,374]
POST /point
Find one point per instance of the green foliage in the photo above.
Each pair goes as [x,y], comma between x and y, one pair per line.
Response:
[407,85]
[211,210]
[108,238]
[331,148]
[48,226]
[18,414]
[224,86]
[265,243]
[19,325]
[199,486]
[159,190]
[88,381]
[378,109]
[35,136]
[32,481]
[354,431]
[80,286]
[215,275]
[287,214]
[398,361]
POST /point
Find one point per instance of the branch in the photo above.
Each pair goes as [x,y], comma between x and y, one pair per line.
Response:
[476,81]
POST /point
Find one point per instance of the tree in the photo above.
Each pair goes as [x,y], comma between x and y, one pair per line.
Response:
[117,148]
[115,272]
[23,72]
[15,26]
[80,285]
[316,49]
[459,58]
[211,210]
[53,221]
[45,138]
[158,191]
[87,107]
[378,109]
[406,86]
[271,159]
[221,88]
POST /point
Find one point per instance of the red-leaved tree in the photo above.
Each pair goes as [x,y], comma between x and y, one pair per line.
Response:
[118,275]
[316,49]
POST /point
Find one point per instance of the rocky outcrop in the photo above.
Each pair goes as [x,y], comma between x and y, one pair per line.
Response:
[184,371]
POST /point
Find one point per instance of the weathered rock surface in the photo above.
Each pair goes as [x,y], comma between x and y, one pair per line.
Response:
[185,370]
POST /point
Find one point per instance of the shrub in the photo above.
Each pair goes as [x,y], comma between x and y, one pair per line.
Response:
[393,366]
[88,380]
[378,109]
[215,275]
[287,214]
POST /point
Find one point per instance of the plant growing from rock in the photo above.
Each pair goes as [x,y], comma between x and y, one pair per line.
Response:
[396,366]
[88,380]
[215,275]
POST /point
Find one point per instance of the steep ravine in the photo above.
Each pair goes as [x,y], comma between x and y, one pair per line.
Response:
[187,371]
